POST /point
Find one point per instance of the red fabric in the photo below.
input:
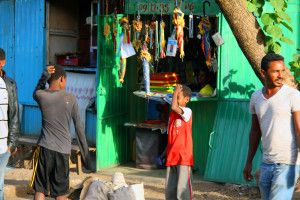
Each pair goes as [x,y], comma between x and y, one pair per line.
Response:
[180,142]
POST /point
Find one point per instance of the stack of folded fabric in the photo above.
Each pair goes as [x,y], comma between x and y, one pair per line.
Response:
[163,82]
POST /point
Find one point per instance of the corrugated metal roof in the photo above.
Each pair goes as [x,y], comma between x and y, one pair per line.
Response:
[229,143]
[7,35]
[29,46]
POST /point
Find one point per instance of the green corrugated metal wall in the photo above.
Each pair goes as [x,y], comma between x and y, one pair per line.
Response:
[204,113]
[112,104]
[229,143]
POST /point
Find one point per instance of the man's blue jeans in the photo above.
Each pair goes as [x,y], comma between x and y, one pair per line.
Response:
[277,181]
[3,162]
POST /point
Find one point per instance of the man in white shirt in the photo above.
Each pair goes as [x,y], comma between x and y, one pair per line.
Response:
[275,113]
[9,121]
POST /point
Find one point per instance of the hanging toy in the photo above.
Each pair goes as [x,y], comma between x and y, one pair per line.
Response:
[156,42]
[106,31]
[191,26]
[162,41]
[137,28]
[147,38]
[146,58]
[204,29]
[178,21]
[152,29]
[114,33]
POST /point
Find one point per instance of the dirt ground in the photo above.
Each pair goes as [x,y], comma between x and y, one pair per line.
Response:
[17,179]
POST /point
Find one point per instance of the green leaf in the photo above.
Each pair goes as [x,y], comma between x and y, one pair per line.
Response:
[267,19]
[268,41]
[284,16]
[251,7]
[296,57]
[278,4]
[286,25]
[276,32]
[275,47]
[258,3]
[287,40]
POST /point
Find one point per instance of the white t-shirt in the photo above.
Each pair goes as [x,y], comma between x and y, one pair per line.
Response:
[3,116]
[187,113]
[276,124]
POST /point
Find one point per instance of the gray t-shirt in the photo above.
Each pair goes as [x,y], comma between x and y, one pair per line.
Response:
[276,124]
[58,109]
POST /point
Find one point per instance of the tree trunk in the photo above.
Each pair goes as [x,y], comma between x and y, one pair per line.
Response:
[248,34]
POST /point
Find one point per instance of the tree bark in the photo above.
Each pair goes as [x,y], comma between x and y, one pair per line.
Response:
[249,35]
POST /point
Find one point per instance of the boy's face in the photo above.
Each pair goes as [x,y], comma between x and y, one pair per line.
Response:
[182,100]
[2,63]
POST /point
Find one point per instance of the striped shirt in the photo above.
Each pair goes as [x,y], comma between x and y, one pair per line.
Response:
[3,116]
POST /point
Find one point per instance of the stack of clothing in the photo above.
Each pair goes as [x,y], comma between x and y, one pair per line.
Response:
[164,82]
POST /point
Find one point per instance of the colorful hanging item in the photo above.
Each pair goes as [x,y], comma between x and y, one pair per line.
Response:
[114,33]
[204,29]
[126,49]
[137,28]
[106,31]
[146,58]
[162,41]
[152,30]
[156,42]
[178,21]
[191,26]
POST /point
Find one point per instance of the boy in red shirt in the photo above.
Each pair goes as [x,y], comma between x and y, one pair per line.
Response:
[180,147]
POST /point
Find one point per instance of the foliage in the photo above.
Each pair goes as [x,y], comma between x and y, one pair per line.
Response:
[273,25]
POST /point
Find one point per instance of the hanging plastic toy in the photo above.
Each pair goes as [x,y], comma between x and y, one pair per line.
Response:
[106,31]
[146,58]
[204,29]
[178,21]
[162,40]
[156,42]
[191,26]
[137,28]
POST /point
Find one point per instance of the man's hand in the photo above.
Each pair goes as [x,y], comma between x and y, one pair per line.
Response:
[50,69]
[247,172]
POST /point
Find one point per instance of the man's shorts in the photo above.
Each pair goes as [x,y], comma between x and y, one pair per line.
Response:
[51,173]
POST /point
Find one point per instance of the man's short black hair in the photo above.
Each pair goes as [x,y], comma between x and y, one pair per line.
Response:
[2,54]
[270,57]
[59,72]
[186,91]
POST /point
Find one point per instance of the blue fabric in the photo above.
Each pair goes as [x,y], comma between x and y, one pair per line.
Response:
[3,162]
[277,181]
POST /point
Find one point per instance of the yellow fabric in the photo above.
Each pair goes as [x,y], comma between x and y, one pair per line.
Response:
[163,85]
[207,90]
[36,156]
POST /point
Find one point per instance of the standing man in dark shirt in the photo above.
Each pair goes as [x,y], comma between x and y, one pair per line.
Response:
[58,108]
[9,119]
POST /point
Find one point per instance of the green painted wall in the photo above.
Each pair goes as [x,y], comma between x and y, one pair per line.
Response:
[112,104]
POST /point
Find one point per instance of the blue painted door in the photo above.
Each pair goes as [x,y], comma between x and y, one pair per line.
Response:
[7,34]
[29,46]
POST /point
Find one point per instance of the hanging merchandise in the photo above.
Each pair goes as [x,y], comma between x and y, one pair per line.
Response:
[126,48]
[146,58]
[204,29]
[178,21]
[152,29]
[191,26]
[147,38]
[106,25]
[171,47]
[115,32]
[156,42]
[162,41]
[137,28]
